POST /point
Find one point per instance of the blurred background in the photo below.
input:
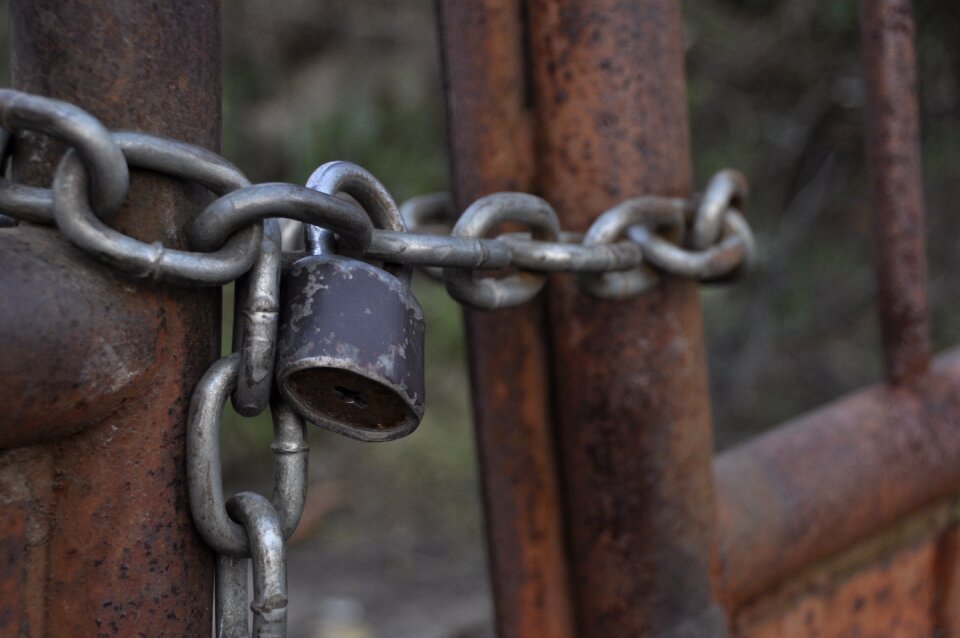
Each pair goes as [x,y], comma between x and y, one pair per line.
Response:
[392,544]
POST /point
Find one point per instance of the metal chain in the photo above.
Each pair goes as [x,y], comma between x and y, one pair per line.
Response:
[621,255]
[237,238]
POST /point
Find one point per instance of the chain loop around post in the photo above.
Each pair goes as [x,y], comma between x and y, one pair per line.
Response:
[660,213]
[478,220]
[718,262]
[204,473]
[623,254]
[78,222]
[726,190]
[102,157]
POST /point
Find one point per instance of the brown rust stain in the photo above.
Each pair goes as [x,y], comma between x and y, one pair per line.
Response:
[491,150]
[888,585]
[892,598]
[25,491]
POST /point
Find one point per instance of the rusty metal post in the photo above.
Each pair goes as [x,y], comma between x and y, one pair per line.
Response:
[896,185]
[491,141]
[96,368]
[630,394]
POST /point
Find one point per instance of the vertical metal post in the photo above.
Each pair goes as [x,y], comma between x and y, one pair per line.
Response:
[95,512]
[630,394]
[491,142]
[896,186]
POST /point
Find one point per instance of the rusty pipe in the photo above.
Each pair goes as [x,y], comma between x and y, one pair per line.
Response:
[630,385]
[95,521]
[491,149]
[896,185]
[815,485]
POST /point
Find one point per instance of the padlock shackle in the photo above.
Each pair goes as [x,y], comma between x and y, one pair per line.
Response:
[337,177]
[318,241]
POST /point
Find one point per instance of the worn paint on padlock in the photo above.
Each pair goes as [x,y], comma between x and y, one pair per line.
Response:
[350,353]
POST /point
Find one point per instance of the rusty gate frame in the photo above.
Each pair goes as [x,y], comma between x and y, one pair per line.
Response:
[607,513]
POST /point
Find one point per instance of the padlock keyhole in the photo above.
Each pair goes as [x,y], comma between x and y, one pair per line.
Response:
[351,397]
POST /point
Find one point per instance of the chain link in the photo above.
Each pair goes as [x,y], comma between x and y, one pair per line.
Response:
[263,526]
[77,220]
[256,316]
[343,206]
[479,219]
[204,473]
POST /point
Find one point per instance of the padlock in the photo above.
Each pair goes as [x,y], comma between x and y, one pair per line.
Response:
[350,351]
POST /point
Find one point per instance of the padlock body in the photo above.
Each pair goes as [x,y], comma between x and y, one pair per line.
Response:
[350,349]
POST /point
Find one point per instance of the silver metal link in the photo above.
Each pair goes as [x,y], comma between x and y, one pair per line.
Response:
[255,318]
[732,253]
[204,472]
[656,212]
[234,211]
[569,254]
[19,201]
[77,221]
[104,162]
[262,524]
[231,598]
[291,456]
[337,177]
[727,189]
[478,220]
[439,250]
[26,203]
[432,210]
[431,214]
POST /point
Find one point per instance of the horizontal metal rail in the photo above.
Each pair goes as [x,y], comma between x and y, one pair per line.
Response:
[817,484]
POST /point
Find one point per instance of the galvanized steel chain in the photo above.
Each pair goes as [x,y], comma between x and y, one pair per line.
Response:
[322,335]
[622,254]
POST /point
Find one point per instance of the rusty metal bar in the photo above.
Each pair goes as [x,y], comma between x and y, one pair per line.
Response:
[491,147]
[98,368]
[817,484]
[896,186]
[630,394]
